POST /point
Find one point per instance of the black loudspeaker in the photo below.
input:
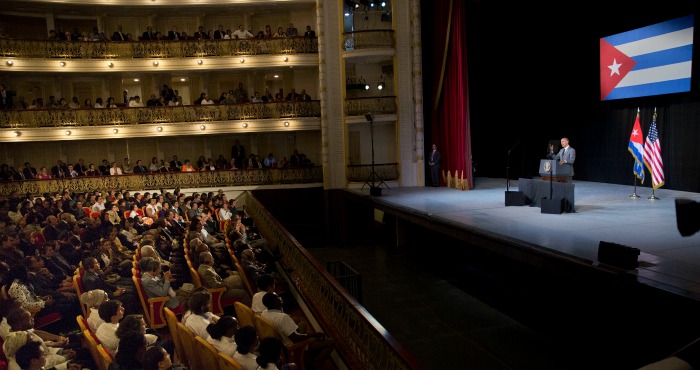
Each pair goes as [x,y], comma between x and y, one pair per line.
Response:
[553,206]
[375,191]
[618,255]
[515,198]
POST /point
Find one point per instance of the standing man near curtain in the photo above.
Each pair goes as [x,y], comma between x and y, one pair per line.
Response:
[434,162]
[566,155]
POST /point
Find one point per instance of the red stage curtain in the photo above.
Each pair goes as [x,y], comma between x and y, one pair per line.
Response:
[450,127]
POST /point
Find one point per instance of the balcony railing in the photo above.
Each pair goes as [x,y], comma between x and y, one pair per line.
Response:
[362,172]
[368,39]
[376,105]
[362,341]
[33,118]
[203,179]
[155,49]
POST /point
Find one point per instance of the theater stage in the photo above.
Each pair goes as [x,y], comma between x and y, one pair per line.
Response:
[603,212]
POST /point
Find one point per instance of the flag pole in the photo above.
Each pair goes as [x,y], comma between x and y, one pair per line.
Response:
[653,197]
[634,193]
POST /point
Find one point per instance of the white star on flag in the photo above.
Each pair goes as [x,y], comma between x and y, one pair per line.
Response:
[635,133]
[614,68]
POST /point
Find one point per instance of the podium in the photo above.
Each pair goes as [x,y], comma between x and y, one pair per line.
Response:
[550,169]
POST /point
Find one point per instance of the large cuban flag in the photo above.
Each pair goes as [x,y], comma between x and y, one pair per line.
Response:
[652,60]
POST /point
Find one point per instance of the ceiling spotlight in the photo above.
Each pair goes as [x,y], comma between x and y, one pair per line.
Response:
[110,64]
[155,63]
[159,129]
[286,124]
[67,132]
[62,64]
[285,59]
[202,127]
[200,62]
[242,60]
[114,130]
[9,62]
[383,4]
[245,125]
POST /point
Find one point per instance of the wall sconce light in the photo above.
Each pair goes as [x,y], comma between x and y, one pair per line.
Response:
[16,133]
[380,85]
[183,79]
[155,63]
[286,124]
[159,129]
[242,60]
[110,64]
[245,125]
[285,59]
[67,132]
[202,127]
[363,82]
[62,64]
[200,62]
[136,80]
[114,130]
[9,62]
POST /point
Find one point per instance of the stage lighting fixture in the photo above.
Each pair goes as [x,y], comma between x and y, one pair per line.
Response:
[686,213]
[382,4]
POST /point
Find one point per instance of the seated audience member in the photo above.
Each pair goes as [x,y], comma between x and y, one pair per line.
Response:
[198,316]
[93,280]
[22,329]
[32,356]
[246,342]
[157,358]
[157,283]
[266,284]
[270,353]
[93,299]
[242,33]
[134,324]
[111,312]
[211,279]
[221,334]
[318,351]
[131,350]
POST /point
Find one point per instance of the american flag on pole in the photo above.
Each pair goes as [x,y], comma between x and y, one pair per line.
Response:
[652,156]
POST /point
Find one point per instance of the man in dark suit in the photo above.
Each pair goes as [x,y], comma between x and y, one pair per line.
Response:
[59,170]
[200,34]
[175,164]
[29,171]
[566,155]
[174,34]
[434,162]
[5,98]
[309,34]
[92,279]
[238,154]
[118,35]
[220,33]
[81,167]
[140,168]
[149,35]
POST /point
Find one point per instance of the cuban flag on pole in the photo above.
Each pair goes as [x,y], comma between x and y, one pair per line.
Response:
[652,60]
[636,147]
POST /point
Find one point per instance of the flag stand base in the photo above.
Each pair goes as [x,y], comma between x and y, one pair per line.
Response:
[654,197]
[634,195]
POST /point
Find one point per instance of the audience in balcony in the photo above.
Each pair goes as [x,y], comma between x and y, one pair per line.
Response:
[200,34]
[119,35]
[309,34]
[292,31]
[205,99]
[280,33]
[242,33]
[268,32]
[174,34]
